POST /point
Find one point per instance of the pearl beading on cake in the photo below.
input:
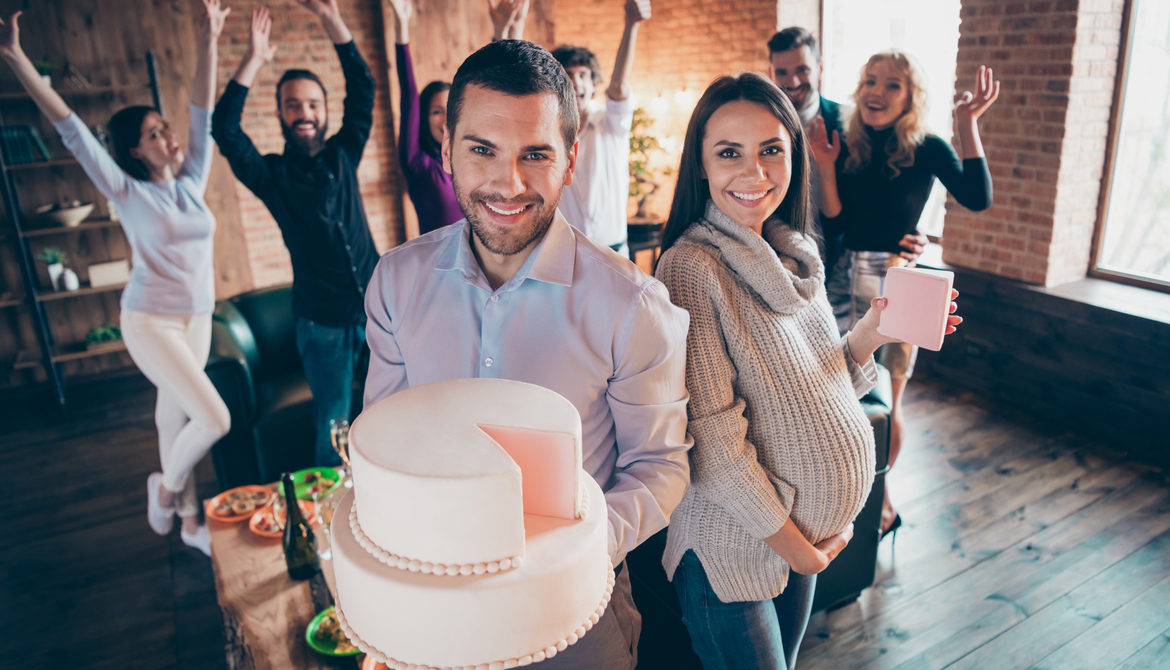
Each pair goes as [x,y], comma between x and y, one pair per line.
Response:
[426,567]
[529,659]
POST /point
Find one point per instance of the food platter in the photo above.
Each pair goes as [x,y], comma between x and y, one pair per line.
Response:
[263,522]
[318,478]
[321,633]
[238,504]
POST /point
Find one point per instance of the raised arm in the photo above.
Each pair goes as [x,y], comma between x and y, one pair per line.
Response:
[825,151]
[50,104]
[637,11]
[330,16]
[409,116]
[203,86]
[259,50]
[970,106]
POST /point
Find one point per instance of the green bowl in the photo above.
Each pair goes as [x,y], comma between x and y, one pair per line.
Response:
[302,488]
[321,646]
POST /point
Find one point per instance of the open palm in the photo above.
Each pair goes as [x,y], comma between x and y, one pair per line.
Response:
[10,35]
[970,106]
[258,35]
[319,7]
[216,16]
[824,149]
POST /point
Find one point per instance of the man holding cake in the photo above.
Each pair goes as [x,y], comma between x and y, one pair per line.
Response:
[513,292]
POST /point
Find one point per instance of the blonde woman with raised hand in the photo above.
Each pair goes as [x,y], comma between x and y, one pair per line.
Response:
[879,196]
[166,306]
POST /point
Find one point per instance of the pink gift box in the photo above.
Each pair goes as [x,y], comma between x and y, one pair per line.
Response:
[918,303]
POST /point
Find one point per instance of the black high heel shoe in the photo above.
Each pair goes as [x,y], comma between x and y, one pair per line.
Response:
[893,529]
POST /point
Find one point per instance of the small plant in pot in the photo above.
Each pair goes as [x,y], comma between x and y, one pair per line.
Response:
[102,336]
[644,180]
[55,259]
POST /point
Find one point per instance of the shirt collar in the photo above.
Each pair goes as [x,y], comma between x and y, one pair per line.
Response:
[552,260]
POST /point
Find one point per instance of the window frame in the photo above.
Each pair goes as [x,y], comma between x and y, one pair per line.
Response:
[1129,17]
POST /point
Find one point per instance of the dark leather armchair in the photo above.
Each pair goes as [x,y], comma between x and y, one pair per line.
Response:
[664,641]
[255,366]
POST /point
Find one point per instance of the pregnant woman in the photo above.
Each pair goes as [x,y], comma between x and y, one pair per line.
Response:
[167,304]
[783,458]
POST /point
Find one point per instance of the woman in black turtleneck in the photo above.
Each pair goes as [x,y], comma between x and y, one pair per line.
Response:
[875,194]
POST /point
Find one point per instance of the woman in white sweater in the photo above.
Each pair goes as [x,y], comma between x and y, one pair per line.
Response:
[167,304]
[783,457]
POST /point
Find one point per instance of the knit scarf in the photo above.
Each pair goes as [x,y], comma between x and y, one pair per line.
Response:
[782,267]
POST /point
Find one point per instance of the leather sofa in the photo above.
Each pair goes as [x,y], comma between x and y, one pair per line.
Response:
[255,366]
[664,641]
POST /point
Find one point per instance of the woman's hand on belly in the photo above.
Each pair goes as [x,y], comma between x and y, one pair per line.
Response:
[804,557]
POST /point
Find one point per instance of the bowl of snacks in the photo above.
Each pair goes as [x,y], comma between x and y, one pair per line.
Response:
[239,503]
[324,634]
[312,483]
[269,522]
[68,213]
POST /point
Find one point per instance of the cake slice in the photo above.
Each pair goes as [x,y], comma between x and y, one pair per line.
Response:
[919,301]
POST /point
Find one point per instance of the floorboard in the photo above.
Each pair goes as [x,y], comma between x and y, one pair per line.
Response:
[1023,546]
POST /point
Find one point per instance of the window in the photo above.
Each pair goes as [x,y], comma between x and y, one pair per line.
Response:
[1133,243]
[854,30]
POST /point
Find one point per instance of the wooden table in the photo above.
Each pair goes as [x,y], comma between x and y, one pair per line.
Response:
[265,613]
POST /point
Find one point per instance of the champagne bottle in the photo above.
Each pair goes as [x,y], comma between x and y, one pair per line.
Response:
[300,544]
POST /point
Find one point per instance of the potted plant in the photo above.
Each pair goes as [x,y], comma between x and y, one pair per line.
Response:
[102,336]
[644,180]
[45,69]
[55,259]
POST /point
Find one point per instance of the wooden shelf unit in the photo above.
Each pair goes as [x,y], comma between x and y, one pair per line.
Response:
[49,353]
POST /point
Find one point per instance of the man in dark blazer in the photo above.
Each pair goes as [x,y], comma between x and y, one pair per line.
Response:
[796,68]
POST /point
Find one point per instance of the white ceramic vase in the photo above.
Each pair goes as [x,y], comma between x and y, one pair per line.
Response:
[69,281]
[55,272]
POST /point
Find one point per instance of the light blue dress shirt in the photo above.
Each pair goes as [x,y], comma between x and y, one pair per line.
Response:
[577,319]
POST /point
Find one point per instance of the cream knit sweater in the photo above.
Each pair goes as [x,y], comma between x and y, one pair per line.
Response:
[774,408]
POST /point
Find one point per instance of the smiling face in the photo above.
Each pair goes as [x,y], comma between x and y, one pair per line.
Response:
[798,73]
[582,78]
[304,118]
[437,116]
[509,164]
[883,95]
[157,147]
[747,161]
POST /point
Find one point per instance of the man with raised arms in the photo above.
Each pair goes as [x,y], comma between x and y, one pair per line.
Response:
[312,191]
[514,292]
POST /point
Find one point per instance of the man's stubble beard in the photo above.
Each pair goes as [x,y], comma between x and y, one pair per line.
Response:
[494,241]
[308,146]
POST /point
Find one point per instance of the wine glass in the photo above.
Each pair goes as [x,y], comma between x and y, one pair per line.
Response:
[339,435]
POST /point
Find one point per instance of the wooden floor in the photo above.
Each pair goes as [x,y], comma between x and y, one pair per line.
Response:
[1022,547]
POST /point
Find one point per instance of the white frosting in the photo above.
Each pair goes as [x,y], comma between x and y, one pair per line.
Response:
[444,491]
[479,620]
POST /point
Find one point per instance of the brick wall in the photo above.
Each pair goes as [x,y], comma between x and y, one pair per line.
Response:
[685,45]
[303,43]
[1045,137]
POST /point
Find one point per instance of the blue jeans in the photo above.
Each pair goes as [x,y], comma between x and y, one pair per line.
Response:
[762,635]
[332,356]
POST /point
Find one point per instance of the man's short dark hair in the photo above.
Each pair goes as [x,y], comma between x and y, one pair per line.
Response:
[517,68]
[299,74]
[573,56]
[793,38]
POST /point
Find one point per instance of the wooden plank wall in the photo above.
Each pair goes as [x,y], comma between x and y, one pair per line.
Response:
[1092,369]
[106,42]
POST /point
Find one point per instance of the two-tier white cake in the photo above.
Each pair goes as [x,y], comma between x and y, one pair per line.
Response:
[474,538]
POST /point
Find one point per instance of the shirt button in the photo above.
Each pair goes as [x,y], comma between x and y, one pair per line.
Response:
[488,362]
[354,268]
[347,247]
[495,298]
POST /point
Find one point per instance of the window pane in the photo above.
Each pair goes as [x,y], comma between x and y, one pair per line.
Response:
[926,29]
[1137,221]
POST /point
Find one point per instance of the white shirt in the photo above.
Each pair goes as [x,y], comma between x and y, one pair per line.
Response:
[577,319]
[595,203]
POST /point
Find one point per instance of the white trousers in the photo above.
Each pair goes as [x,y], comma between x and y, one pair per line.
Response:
[191,417]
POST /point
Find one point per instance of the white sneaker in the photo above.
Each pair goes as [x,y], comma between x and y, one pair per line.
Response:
[200,539]
[161,519]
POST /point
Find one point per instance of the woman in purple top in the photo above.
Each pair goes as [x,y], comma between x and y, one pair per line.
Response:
[419,144]
[166,305]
